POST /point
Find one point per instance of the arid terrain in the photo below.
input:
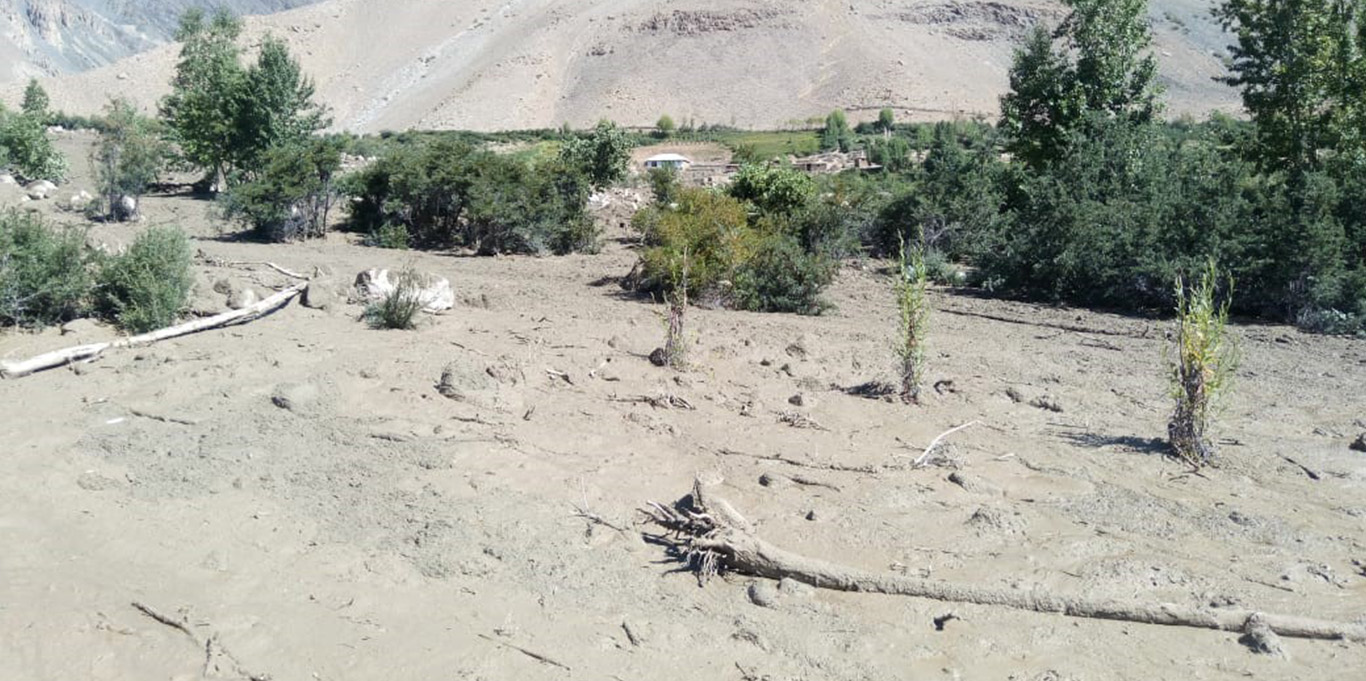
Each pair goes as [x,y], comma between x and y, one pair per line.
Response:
[302,499]
[512,64]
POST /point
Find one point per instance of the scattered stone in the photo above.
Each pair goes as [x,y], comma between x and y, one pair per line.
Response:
[79,201]
[1258,636]
[1048,403]
[797,400]
[40,190]
[791,587]
[225,286]
[798,350]
[616,343]
[1359,445]
[813,516]
[991,520]
[974,484]
[126,208]
[300,398]
[241,299]
[91,481]
[659,358]
[763,594]
[1014,394]
[321,294]
[481,301]
[461,381]
[80,327]
[772,480]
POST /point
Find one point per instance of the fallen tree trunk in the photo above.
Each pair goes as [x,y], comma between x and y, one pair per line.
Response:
[715,536]
[79,353]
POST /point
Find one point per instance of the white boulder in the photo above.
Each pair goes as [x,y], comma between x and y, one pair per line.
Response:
[432,291]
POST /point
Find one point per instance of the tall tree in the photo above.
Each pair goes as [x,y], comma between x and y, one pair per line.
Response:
[1097,63]
[273,106]
[1302,71]
[603,156]
[36,101]
[199,112]
[836,134]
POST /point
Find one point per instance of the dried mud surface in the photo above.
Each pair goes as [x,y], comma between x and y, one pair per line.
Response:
[379,526]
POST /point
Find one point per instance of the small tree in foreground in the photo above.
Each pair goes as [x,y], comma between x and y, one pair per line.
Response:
[146,287]
[1203,367]
[912,289]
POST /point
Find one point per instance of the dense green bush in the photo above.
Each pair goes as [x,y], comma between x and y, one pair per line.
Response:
[291,195]
[702,240]
[773,190]
[146,287]
[27,151]
[445,193]
[603,155]
[43,274]
[727,257]
[780,276]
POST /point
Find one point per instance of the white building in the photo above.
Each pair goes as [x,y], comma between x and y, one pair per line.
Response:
[674,161]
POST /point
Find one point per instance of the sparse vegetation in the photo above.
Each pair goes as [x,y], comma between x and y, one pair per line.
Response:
[44,277]
[399,308]
[1202,369]
[146,287]
[127,159]
[913,306]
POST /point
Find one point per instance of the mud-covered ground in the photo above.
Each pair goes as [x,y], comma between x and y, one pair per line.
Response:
[299,490]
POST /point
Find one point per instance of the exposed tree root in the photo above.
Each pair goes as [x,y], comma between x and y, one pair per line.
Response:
[713,536]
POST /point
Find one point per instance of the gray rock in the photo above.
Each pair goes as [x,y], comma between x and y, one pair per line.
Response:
[763,594]
[126,208]
[1359,445]
[463,381]
[7,179]
[791,587]
[320,295]
[242,299]
[81,327]
[974,484]
[1047,403]
[300,398]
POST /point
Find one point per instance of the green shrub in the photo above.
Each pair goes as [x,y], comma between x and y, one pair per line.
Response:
[913,306]
[399,308]
[1202,370]
[29,152]
[782,277]
[44,278]
[128,158]
[146,287]
[443,193]
[703,242]
[389,236]
[291,196]
[773,190]
[663,184]
[603,155]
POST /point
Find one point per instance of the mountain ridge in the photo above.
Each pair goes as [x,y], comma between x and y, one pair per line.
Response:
[504,64]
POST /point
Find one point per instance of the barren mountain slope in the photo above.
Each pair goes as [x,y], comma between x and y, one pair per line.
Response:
[52,37]
[499,64]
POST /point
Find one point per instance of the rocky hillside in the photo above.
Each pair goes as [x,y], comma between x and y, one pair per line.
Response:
[499,64]
[51,37]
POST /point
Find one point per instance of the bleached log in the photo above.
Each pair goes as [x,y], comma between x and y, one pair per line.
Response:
[80,353]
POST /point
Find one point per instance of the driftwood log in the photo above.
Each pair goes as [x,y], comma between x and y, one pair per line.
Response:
[714,536]
[80,353]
